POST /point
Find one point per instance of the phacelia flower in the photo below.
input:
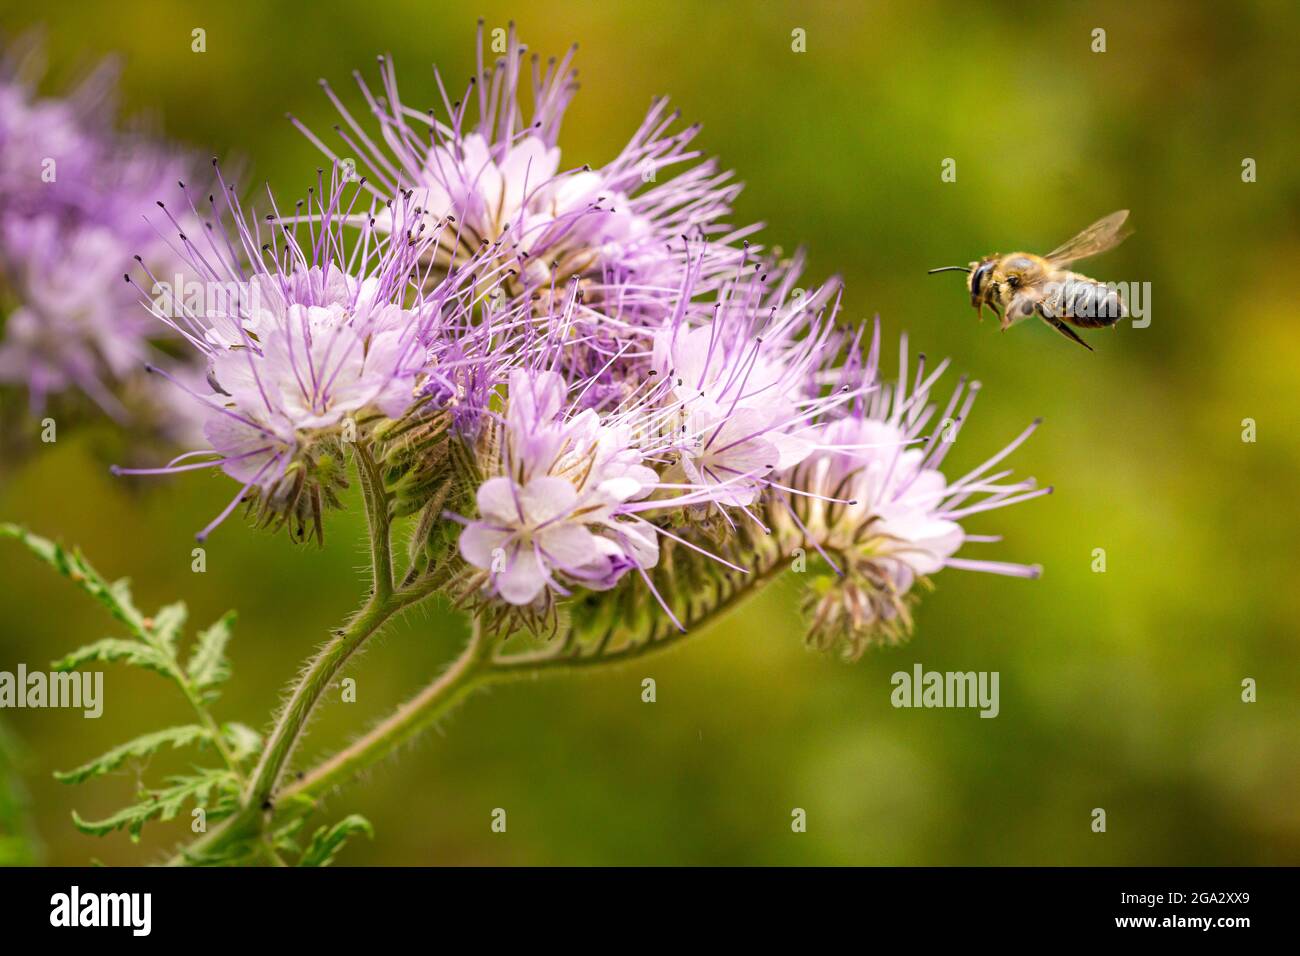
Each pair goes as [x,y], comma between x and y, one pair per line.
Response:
[592,392]
[307,346]
[873,501]
[73,194]
[745,384]
[556,516]
[491,161]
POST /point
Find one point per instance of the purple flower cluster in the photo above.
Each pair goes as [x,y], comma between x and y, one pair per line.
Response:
[73,193]
[492,160]
[624,375]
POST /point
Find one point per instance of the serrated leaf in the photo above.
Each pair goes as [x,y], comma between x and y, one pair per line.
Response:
[238,853]
[207,666]
[116,649]
[327,841]
[283,839]
[115,596]
[166,803]
[167,625]
[141,746]
[244,740]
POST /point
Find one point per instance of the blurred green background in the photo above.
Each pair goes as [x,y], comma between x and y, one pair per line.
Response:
[1118,690]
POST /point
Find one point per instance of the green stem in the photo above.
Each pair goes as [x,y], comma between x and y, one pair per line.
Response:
[209,724]
[319,674]
[256,802]
[378,520]
[469,671]
[477,667]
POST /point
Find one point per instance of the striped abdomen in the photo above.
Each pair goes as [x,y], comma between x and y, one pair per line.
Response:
[1084,302]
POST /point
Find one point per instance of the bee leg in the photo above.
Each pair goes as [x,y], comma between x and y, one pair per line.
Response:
[1018,309]
[1064,329]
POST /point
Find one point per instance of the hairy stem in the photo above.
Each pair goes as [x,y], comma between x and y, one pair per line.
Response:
[256,802]
[477,667]
[318,675]
[379,522]
[306,693]
[210,724]
[469,671]
[335,654]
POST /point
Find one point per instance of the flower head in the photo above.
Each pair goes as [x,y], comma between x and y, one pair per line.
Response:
[307,346]
[73,192]
[556,516]
[592,391]
[492,163]
[745,390]
[873,501]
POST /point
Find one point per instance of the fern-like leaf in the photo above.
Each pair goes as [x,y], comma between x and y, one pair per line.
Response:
[141,746]
[244,741]
[166,625]
[153,645]
[214,790]
[116,596]
[208,666]
[327,841]
[116,649]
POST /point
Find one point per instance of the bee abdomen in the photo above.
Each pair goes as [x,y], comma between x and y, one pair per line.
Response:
[1085,302]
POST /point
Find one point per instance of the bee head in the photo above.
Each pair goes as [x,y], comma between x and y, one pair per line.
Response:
[977,279]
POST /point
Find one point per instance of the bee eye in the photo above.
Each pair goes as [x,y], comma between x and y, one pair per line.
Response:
[1013,281]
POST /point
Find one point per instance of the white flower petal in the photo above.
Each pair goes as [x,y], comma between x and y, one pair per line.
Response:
[522,580]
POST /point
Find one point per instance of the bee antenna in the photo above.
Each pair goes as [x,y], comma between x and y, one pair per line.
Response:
[949,269]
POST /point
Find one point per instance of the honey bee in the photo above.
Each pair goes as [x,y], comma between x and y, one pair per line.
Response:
[1021,284]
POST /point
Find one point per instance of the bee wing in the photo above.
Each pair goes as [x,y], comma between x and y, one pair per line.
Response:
[1101,235]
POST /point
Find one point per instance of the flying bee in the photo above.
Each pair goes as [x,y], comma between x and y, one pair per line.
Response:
[1021,284]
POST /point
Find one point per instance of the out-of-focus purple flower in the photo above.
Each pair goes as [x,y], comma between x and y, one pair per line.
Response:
[72,327]
[73,194]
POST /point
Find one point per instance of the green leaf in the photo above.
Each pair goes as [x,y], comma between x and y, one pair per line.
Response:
[167,803]
[115,596]
[327,841]
[237,853]
[152,644]
[208,666]
[142,746]
[166,626]
[244,740]
[118,649]
[283,839]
